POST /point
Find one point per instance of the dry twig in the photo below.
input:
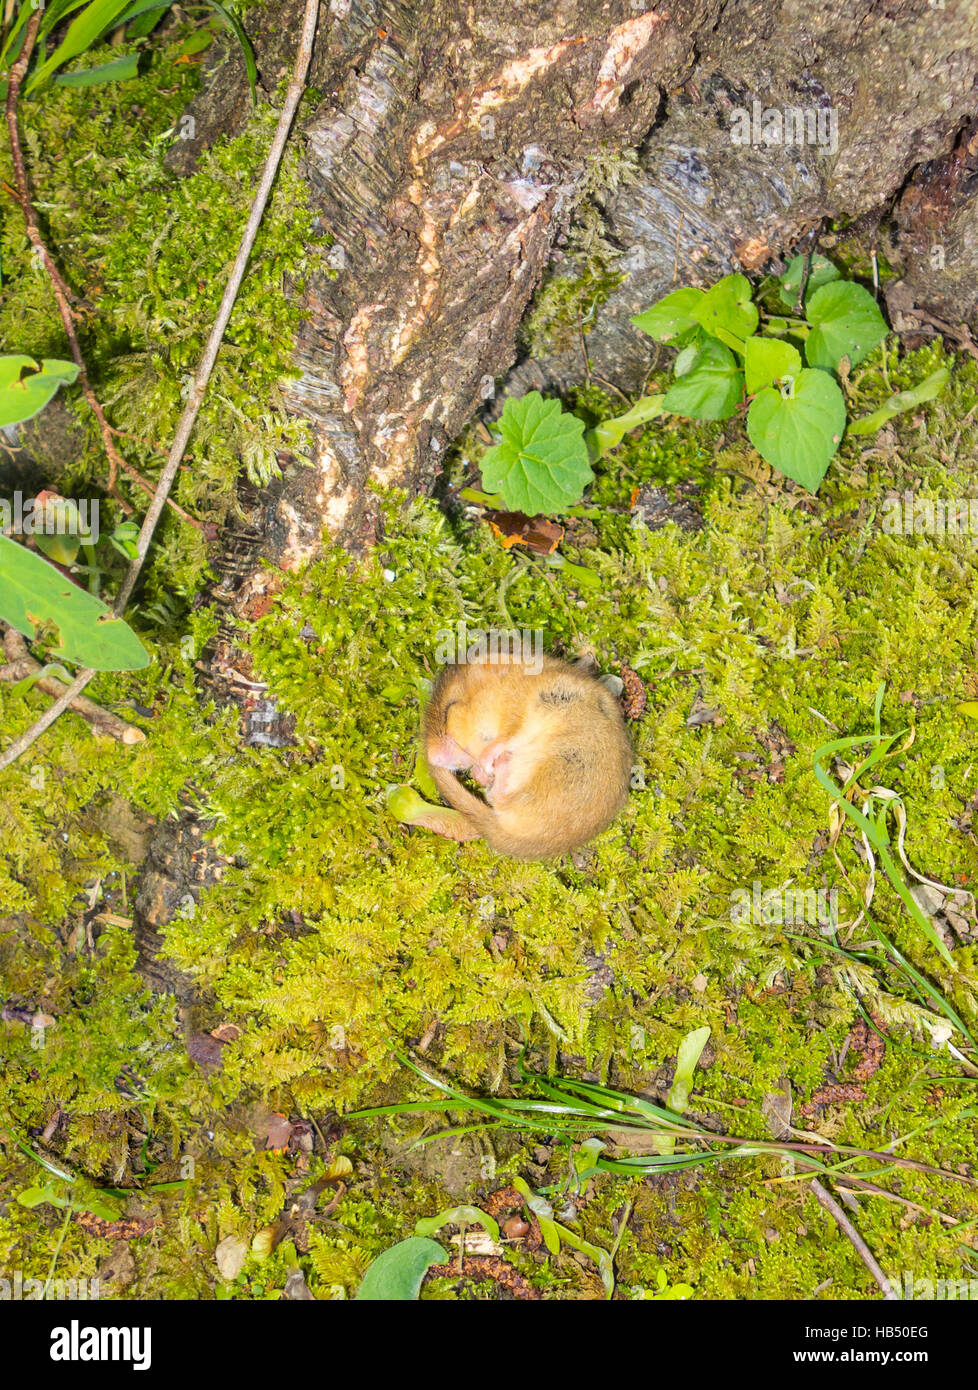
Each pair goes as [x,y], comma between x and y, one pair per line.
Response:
[860,1246]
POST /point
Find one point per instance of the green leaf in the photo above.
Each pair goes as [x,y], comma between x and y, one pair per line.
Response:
[26,388]
[685,359]
[689,1053]
[66,534]
[80,1199]
[397,1274]
[51,669]
[798,431]
[611,432]
[81,33]
[541,464]
[846,322]
[930,387]
[457,1216]
[767,360]
[142,18]
[711,389]
[672,316]
[119,70]
[728,307]
[821,272]
[247,52]
[33,592]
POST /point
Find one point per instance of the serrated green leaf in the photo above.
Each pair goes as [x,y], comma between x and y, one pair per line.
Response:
[711,389]
[728,307]
[26,387]
[33,592]
[670,317]
[846,322]
[397,1274]
[930,387]
[821,272]
[767,360]
[541,464]
[798,432]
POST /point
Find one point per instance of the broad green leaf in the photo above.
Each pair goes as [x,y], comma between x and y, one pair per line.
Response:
[457,1216]
[672,316]
[711,389]
[685,359]
[846,322]
[611,432]
[930,387]
[119,70]
[689,1053]
[799,429]
[541,464]
[33,592]
[821,272]
[766,360]
[397,1274]
[968,708]
[26,388]
[728,307]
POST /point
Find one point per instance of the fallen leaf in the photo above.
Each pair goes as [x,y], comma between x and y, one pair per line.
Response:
[535,532]
[230,1256]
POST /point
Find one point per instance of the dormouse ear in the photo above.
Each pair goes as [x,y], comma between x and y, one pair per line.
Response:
[586,665]
[560,692]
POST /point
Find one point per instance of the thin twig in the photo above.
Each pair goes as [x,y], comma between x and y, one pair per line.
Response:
[196,396]
[860,1246]
[62,293]
[21,665]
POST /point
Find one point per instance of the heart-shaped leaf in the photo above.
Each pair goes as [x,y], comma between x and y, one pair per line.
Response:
[728,307]
[26,388]
[32,593]
[797,430]
[711,389]
[820,272]
[541,463]
[672,316]
[397,1274]
[846,322]
[767,360]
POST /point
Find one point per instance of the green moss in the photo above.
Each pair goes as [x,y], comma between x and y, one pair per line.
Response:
[565,305]
[151,253]
[336,933]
